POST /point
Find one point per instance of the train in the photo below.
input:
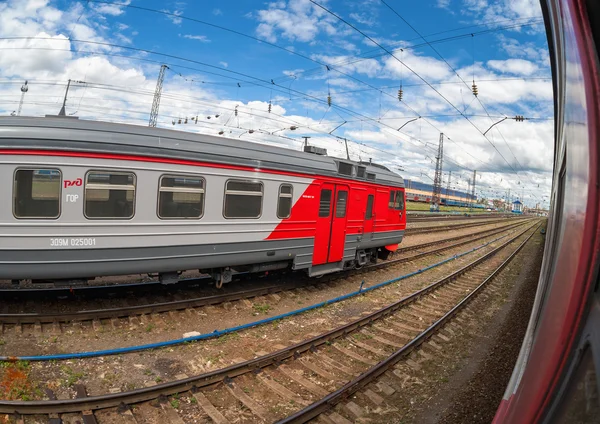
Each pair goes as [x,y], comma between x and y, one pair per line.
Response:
[556,377]
[91,199]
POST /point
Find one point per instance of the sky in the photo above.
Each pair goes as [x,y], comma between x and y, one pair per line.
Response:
[275,72]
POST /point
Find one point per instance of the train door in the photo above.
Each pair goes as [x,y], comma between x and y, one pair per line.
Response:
[330,234]
[337,241]
[369,224]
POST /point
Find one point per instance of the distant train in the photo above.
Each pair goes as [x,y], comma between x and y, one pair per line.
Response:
[423,198]
[92,199]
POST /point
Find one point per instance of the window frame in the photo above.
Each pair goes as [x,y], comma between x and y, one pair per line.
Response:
[369,213]
[244,193]
[329,209]
[85,186]
[194,190]
[285,195]
[337,199]
[400,207]
[392,200]
[60,189]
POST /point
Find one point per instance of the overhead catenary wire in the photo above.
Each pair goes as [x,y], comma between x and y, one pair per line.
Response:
[417,75]
[257,81]
[474,87]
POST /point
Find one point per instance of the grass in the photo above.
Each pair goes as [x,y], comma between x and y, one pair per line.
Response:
[418,206]
[261,309]
[72,376]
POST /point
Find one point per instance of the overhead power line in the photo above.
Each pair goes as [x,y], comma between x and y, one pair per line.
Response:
[417,75]
[456,73]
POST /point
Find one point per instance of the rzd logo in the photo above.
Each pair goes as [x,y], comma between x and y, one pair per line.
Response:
[71,183]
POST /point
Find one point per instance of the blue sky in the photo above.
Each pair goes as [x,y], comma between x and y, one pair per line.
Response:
[218,65]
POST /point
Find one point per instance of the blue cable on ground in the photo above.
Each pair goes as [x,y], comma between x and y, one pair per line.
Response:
[218,333]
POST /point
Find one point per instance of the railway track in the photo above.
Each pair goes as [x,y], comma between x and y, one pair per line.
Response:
[440,228]
[298,382]
[441,217]
[34,321]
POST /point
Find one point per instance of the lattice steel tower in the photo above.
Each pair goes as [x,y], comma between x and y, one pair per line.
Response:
[473,199]
[24,89]
[437,181]
[157,93]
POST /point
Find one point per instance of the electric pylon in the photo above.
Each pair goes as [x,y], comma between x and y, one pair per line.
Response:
[157,93]
[473,200]
[437,181]
[24,89]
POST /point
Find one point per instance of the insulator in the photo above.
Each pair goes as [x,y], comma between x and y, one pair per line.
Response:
[474,88]
[236,112]
[269,108]
[179,121]
[185,122]
[217,115]
[400,94]
[250,131]
[208,117]
[173,122]
[329,100]
[221,132]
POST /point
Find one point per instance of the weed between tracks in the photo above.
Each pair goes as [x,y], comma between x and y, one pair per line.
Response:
[15,383]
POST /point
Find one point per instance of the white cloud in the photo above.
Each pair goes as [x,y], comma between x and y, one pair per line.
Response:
[443,4]
[112,9]
[224,64]
[174,16]
[364,19]
[296,20]
[217,12]
[514,66]
[201,38]
[430,68]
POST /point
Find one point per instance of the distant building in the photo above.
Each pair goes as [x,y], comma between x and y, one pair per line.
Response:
[517,206]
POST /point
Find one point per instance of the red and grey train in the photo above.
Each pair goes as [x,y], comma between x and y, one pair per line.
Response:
[92,199]
[557,374]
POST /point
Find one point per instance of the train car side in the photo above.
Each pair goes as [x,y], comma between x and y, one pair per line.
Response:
[112,214]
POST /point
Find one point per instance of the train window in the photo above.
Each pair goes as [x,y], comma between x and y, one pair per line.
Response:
[360,173]
[399,204]
[36,193]
[370,200]
[284,204]
[180,196]
[325,203]
[109,195]
[243,199]
[392,201]
[345,168]
[370,176]
[340,206]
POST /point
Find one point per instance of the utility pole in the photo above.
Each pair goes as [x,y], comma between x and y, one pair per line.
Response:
[468,201]
[437,180]
[347,154]
[509,204]
[157,93]
[448,187]
[473,187]
[24,89]
[62,109]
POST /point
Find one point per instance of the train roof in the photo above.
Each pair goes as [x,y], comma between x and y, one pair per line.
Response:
[66,133]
